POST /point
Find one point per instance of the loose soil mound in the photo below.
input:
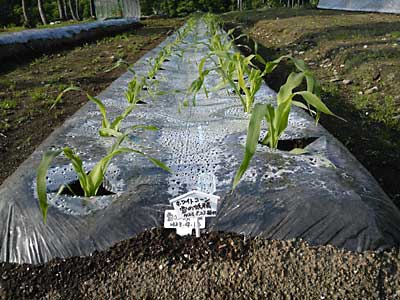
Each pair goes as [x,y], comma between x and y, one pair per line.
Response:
[158,264]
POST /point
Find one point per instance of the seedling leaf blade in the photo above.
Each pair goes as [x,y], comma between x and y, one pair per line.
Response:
[293,81]
[145,127]
[299,151]
[102,108]
[77,164]
[315,101]
[59,97]
[253,134]
[41,185]
[159,164]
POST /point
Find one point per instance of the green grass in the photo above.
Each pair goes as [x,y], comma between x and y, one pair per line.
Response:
[8,104]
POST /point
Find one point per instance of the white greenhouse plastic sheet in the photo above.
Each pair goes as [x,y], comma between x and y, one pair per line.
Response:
[59,33]
[106,9]
[324,197]
[384,6]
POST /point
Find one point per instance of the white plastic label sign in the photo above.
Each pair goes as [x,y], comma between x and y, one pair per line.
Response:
[190,212]
[195,205]
[172,220]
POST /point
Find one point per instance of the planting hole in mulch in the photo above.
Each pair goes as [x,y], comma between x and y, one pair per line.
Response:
[241,90]
[288,145]
[141,102]
[74,189]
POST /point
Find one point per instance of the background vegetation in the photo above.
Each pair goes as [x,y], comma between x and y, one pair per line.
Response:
[11,13]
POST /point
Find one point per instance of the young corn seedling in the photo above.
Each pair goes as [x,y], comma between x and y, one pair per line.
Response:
[242,76]
[135,87]
[109,128]
[197,84]
[277,117]
[158,61]
[91,181]
[236,71]
[120,63]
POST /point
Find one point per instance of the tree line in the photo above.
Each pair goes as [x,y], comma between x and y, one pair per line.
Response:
[33,12]
[173,8]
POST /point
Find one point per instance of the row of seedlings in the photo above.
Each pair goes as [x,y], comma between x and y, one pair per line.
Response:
[91,181]
[242,75]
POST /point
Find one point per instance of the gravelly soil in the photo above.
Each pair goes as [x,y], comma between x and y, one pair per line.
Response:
[157,264]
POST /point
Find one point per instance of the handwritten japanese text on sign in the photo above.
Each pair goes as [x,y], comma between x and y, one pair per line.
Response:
[172,220]
[195,205]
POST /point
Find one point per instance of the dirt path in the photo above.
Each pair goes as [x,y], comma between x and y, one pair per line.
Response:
[160,265]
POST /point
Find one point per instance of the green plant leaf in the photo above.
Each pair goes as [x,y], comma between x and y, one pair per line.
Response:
[293,81]
[102,108]
[272,136]
[119,63]
[299,151]
[59,97]
[116,123]
[260,59]
[77,164]
[145,127]
[310,83]
[96,175]
[282,117]
[299,64]
[253,134]
[159,164]
[315,101]
[270,66]
[303,106]
[109,132]
[41,185]
[241,36]
[201,65]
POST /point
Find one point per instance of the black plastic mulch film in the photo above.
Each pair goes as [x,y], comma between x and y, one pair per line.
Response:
[324,197]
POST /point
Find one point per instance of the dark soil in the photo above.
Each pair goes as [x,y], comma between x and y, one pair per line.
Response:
[75,189]
[28,89]
[357,58]
[158,264]
[288,145]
